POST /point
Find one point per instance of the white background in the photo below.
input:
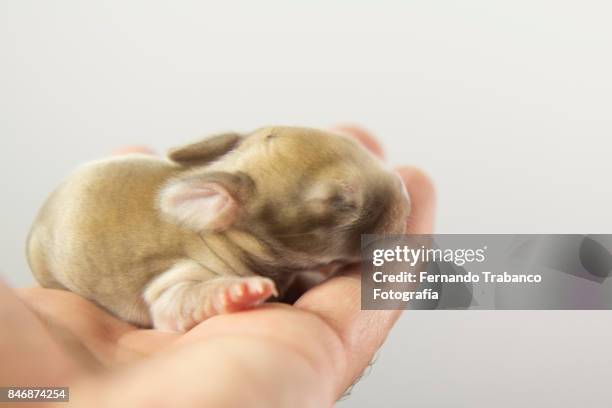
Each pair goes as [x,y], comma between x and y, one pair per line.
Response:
[507,105]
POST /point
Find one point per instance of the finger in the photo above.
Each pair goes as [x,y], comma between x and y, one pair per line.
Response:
[423,200]
[337,301]
[363,136]
[134,149]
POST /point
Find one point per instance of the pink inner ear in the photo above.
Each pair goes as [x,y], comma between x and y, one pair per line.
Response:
[195,193]
[199,207]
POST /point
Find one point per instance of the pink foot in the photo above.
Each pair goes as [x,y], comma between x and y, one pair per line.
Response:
[242,293]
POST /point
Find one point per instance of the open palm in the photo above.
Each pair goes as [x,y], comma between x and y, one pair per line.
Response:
[277,355]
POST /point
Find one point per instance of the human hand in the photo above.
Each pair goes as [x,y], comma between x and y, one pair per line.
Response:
[306,354]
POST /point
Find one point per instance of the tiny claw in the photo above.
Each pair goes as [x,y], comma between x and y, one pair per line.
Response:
[224,299]
[256,286]
[239,290]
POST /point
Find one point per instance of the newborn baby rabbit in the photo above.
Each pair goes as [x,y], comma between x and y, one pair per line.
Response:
[222,225]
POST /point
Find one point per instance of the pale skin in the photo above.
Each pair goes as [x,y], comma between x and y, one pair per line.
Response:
[277,355]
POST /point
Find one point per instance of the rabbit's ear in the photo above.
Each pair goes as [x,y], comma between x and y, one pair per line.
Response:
[205,150]
[206,202]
